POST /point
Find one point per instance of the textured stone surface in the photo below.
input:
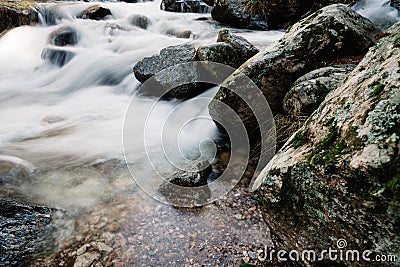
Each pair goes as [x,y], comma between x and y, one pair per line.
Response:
[339,175]
[244,49]
[21,231]
[221,53]
[96,12]
[310,90]
[14,14]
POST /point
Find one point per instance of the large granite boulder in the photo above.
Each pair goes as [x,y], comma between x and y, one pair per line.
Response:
[22,231]
[235,14]
[14,14]
[338,177]
[332,32]
[244,49]
[308,92]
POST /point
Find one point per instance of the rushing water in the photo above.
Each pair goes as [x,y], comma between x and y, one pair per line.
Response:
[379,12]
[66,116]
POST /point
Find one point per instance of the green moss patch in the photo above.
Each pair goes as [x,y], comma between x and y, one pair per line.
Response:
[378,89]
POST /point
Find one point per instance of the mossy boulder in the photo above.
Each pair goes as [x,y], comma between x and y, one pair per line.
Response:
[14,14]
[221,53]
[331,32]
[338,176]
[308,92]
[244,49]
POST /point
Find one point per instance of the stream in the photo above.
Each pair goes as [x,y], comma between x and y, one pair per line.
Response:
[67,124]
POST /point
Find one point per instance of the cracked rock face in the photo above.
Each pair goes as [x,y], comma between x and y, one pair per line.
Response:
[339,175]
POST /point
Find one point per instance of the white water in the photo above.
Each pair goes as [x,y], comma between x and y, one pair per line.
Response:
[92,91]
[378,11]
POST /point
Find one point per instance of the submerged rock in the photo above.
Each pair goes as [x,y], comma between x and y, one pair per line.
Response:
[185,6]
[56,56]
[95,12]
[310,90]
[14,170]
[64,36]
[338,176]
[221,53]
[140,21]
[194,177]
[22,231]
[244,49]
[235,14]
[331,32]
[14,14]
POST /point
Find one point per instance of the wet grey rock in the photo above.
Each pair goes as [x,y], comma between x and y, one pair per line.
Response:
[395,3]
[14,170]
[86,260]
[338,176]
[168,57]
[185,6]
[221,53]
[196,176]
[64,36]
[22,231]
[185,34]
[14,14]
[95,12]
[140,21]
[244,49]
[56,56]
[332,32]
[168,83]
[234,13]
[308,92]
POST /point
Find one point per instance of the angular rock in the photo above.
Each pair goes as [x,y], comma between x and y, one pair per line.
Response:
[339,175]
[310,90]
[95,12]
[14,14]
[140,21]
[235,14]
[64,36]
[185,6]
[56,56]
[22,231]
[244,49]
[195,177]
[168,57]
[86,260]
[221,53]
[168,83]
[332,32]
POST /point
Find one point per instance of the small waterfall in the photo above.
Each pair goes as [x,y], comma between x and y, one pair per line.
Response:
[381,13]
